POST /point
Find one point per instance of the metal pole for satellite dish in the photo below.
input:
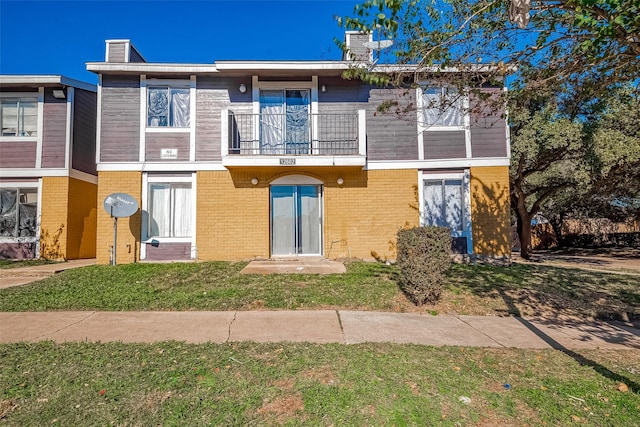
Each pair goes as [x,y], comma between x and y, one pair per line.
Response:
[115,237]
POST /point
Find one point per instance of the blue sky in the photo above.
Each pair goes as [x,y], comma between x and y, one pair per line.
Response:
[59,37]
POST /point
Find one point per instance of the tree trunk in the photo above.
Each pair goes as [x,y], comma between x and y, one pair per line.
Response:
[523,226]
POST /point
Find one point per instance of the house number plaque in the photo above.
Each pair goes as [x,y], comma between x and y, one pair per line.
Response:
[287,162]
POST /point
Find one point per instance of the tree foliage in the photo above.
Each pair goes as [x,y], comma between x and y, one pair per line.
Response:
[567,43]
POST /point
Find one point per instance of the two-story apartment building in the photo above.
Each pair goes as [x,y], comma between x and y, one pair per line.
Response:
[48,179]
[258,159]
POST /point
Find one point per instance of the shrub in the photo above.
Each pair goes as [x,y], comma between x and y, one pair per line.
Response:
[424,255]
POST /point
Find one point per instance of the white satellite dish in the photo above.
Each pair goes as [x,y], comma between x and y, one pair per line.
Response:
[378,45]
[119,205]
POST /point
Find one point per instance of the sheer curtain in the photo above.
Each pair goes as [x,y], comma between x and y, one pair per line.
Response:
[170,210]
[441,107]
[271,122]
[297,135]
[180,108]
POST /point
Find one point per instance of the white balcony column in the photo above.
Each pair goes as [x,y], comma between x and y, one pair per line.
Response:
[224,132]
[362,132]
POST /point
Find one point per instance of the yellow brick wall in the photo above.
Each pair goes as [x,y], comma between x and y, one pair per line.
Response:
[54,225]
[82,217]
[361,217]
[490,211]
[128,238]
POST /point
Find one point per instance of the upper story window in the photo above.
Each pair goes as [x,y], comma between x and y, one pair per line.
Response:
[168,107]
[19,117]
[442,107]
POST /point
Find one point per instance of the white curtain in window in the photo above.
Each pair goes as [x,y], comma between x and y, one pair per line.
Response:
[159,210]
[182,210]
[271,122]
[453,204]
[433,203]
[8,206]
[441,108]
[28,118]
[180,108]
[9,118]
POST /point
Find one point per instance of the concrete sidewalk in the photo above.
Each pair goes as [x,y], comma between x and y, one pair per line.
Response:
[315,326]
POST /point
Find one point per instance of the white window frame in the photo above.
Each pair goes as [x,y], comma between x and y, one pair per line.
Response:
[464,114]
[144,232]
[38,188]
[465,177]
[169,84]
[311,85]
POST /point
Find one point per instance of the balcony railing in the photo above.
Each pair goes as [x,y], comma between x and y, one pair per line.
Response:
[294,134]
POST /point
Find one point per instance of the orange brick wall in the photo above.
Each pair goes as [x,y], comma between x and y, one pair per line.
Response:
[81,235]
[128,239]
[490,211]
[361,217]
[68,222]
[54,225]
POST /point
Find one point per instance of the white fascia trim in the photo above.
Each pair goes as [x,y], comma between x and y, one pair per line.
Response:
[436,164]
[467,125]
[166,129]
[127,50]
[144,210]
[160,167]
[45,80]
[192,117]
[52,172]
[40,130]
[231,161]
[69,130]
[147,68]
[281,65]
[98,118]
[419,108]
[20,184]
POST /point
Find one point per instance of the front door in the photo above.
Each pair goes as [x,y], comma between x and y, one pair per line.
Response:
[296,220]
[284,121]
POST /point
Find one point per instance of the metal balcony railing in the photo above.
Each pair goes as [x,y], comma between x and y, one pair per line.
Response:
[294,133]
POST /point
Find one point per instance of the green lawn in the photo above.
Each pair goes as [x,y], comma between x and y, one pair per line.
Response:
[481,290]
[292,384]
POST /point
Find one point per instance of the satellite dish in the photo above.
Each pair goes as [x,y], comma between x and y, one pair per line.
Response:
[378,45]
[120,205]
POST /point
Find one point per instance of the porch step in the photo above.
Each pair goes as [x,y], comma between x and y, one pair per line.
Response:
[294,266]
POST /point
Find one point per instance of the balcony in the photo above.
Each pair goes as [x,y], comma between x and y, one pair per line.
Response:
[295,138]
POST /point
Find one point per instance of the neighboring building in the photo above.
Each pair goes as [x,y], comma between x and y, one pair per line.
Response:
[259,159]
[48,179]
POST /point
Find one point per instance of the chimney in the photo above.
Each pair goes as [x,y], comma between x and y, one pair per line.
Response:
[355,50]
[122,51]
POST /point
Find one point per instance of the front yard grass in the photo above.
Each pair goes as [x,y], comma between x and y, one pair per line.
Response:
[519,289]
[173,383]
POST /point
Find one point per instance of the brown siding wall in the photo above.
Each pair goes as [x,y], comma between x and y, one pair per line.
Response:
[84,132]
[155,142]
[54,133]
[392,135]
[356,50]
[214,95]
[120,131]
[444,144]
[169,252]
[18,154]
[116,52]
[488,129]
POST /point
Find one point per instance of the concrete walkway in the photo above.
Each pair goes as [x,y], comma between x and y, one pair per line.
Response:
[315,326]
[21,276]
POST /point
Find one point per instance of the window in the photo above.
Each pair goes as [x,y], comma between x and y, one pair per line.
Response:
[18,212]
[170,210]
[19,117]
[284,121]
[442,107]
[443,203]
[168,107]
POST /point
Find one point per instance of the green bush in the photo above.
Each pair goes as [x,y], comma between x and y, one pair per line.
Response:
[424,255]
